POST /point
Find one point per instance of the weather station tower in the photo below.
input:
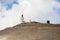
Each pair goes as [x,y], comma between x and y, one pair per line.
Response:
[22,18]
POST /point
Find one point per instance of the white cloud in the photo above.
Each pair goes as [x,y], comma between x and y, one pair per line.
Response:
[42,10]
[12,17]
[35,10]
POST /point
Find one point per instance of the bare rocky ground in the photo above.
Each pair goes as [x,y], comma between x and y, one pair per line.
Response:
[31,31]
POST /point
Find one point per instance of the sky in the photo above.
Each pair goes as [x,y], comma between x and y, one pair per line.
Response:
[33,10]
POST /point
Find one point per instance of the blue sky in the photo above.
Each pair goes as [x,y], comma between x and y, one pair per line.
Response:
[58,1]
[57,10]
[34,10]
[8,5]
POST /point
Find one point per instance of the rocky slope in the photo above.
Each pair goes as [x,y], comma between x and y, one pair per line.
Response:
[31,31]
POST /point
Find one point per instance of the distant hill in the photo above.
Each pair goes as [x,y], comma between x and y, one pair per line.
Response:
[31,31]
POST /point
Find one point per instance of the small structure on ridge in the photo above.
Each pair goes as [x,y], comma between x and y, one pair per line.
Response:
[48,22]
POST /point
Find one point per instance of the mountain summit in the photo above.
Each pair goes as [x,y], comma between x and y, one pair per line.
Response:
[31,31]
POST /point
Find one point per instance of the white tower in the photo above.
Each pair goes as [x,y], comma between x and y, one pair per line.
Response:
[22,18]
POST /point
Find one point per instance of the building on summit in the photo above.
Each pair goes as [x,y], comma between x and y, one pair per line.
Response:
[48,22]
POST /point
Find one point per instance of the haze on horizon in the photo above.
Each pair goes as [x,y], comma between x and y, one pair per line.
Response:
[34,10]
